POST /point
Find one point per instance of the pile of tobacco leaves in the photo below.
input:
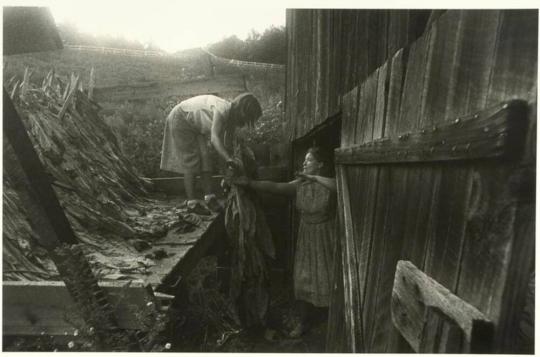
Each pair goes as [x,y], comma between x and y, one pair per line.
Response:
[107,204]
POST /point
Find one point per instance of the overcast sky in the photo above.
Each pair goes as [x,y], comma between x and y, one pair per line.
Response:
[171,25]
[180,24]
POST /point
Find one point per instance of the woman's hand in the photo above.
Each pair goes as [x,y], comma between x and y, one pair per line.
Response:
[234,164]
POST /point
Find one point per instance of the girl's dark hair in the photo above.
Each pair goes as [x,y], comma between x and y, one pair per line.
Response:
[318,154]
[323,156]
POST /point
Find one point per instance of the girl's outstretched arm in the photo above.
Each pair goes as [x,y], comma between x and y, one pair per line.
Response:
[280,188]
[328,182]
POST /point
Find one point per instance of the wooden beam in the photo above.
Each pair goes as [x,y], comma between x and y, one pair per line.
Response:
[27,169]
[496,132]
[33,307]
[170,284]
[446,323]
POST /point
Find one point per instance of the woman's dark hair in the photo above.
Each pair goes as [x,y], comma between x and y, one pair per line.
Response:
[249,106]
[322,156]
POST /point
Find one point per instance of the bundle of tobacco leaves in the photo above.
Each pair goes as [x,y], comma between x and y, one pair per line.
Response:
[250,241]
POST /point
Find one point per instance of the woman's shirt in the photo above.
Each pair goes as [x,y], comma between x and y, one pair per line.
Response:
[201,109]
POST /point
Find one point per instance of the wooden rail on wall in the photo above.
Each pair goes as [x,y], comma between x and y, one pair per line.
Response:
[491,133]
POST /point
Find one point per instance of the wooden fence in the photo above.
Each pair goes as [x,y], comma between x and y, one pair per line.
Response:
[244,64]
[117,51]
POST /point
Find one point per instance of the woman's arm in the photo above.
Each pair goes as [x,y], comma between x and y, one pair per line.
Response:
[218,124]
[280,188]
[328,182]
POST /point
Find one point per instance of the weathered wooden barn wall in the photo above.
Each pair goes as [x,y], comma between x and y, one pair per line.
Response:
[331,50]
[469,224]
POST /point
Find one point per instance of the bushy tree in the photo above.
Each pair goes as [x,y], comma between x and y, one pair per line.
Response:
[268,47]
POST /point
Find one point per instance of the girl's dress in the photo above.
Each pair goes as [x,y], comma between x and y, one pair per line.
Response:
[316,237]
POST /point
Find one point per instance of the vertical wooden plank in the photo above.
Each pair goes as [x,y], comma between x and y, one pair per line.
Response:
[381,102]
[382,34]
[446,242]
[348,119]
[363,55]
[320,75]
[445,249]
[363,206]
[515,57]
[418,186]
[388,226]
[337,69]
[397,74]
[477,36]
[370,100]
[291,75]
[336,332]
[413,85]
[351,285]
[441,66]
[349,49]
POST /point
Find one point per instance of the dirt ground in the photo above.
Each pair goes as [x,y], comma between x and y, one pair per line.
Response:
[201,323]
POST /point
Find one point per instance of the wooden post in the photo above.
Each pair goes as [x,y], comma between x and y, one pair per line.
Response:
[91,84]
[212,67]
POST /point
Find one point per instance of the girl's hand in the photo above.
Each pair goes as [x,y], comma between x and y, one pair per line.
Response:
[240,181]
[306,177]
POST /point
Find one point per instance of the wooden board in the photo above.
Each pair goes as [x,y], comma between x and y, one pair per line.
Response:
[495,132]
[336,335]
[28,175]
[30,308]
[414,291]
[177,269]
[351,281]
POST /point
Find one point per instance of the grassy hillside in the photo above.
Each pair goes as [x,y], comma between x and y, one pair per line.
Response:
[109,69]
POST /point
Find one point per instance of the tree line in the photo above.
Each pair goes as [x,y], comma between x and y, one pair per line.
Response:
[268,47]
[70,35]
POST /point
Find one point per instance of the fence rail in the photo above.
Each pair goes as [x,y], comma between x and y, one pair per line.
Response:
[149,53]
[237,63]
[119,51]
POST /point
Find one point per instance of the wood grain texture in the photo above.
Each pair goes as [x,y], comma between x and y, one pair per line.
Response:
[351,282]
[495,132]
[336,50]
[336,333]
[414,291]
[30,308]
